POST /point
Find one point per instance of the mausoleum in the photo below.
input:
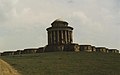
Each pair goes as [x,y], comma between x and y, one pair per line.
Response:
[60,37]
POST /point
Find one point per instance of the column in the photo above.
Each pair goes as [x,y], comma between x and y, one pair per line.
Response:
[58,37]
[63,36]
[62,39]
[66,37]
[71,39]
[50,37]
[69,36]
[54,37]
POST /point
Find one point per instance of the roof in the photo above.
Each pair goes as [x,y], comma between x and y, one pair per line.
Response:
[8,51]
[59,22]
[85,45]
[101,47]
[112,49]
[31,49]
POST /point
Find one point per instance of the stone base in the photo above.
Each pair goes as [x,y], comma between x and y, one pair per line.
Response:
[72,47]
[53,48]
[65,47]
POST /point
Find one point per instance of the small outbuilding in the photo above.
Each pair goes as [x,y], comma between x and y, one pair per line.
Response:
[93,49]
[113,51]
[101,49]
[8,53]
[18,52]
[29,51]
[40,50]
[87,48]
[72,47]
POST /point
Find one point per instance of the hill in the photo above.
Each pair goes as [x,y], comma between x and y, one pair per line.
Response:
[66,63]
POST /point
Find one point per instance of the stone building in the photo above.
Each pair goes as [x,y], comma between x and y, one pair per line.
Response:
[113,51]
[60,37]
[93,49]
[40,50]
[72,47]
[87,48]
[117,51]
[18,52]
[101,49]
[29,51]
[107,50]
[7,53]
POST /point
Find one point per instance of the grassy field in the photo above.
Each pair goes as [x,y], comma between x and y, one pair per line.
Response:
[66,63]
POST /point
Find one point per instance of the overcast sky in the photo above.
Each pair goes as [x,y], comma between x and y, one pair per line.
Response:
[23,23]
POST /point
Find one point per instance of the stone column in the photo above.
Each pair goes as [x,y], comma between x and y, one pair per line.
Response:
[71,39]
[66,37]
[69,36]
[54,37]
[62,39]
[50,37]
[58,37]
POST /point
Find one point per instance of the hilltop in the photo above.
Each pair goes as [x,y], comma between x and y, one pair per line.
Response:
[66,63]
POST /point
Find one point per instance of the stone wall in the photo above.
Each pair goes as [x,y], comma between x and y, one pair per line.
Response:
[113,51]
[101,49]
[40,50]
[7,53]
[87,48]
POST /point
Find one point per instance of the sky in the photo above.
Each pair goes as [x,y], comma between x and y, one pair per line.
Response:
[23,23]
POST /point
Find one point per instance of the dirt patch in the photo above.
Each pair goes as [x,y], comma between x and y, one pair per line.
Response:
[6,69]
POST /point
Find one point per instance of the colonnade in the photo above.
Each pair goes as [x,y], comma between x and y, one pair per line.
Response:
[59,37]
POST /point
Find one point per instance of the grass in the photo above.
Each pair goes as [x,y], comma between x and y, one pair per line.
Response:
[66,63]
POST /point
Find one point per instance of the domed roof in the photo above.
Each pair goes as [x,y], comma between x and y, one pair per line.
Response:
[60,20]
[59,23]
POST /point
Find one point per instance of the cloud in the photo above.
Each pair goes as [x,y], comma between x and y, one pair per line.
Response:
[97,24]
[6,9]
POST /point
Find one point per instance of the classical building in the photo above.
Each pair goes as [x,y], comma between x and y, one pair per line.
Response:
[60,37]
